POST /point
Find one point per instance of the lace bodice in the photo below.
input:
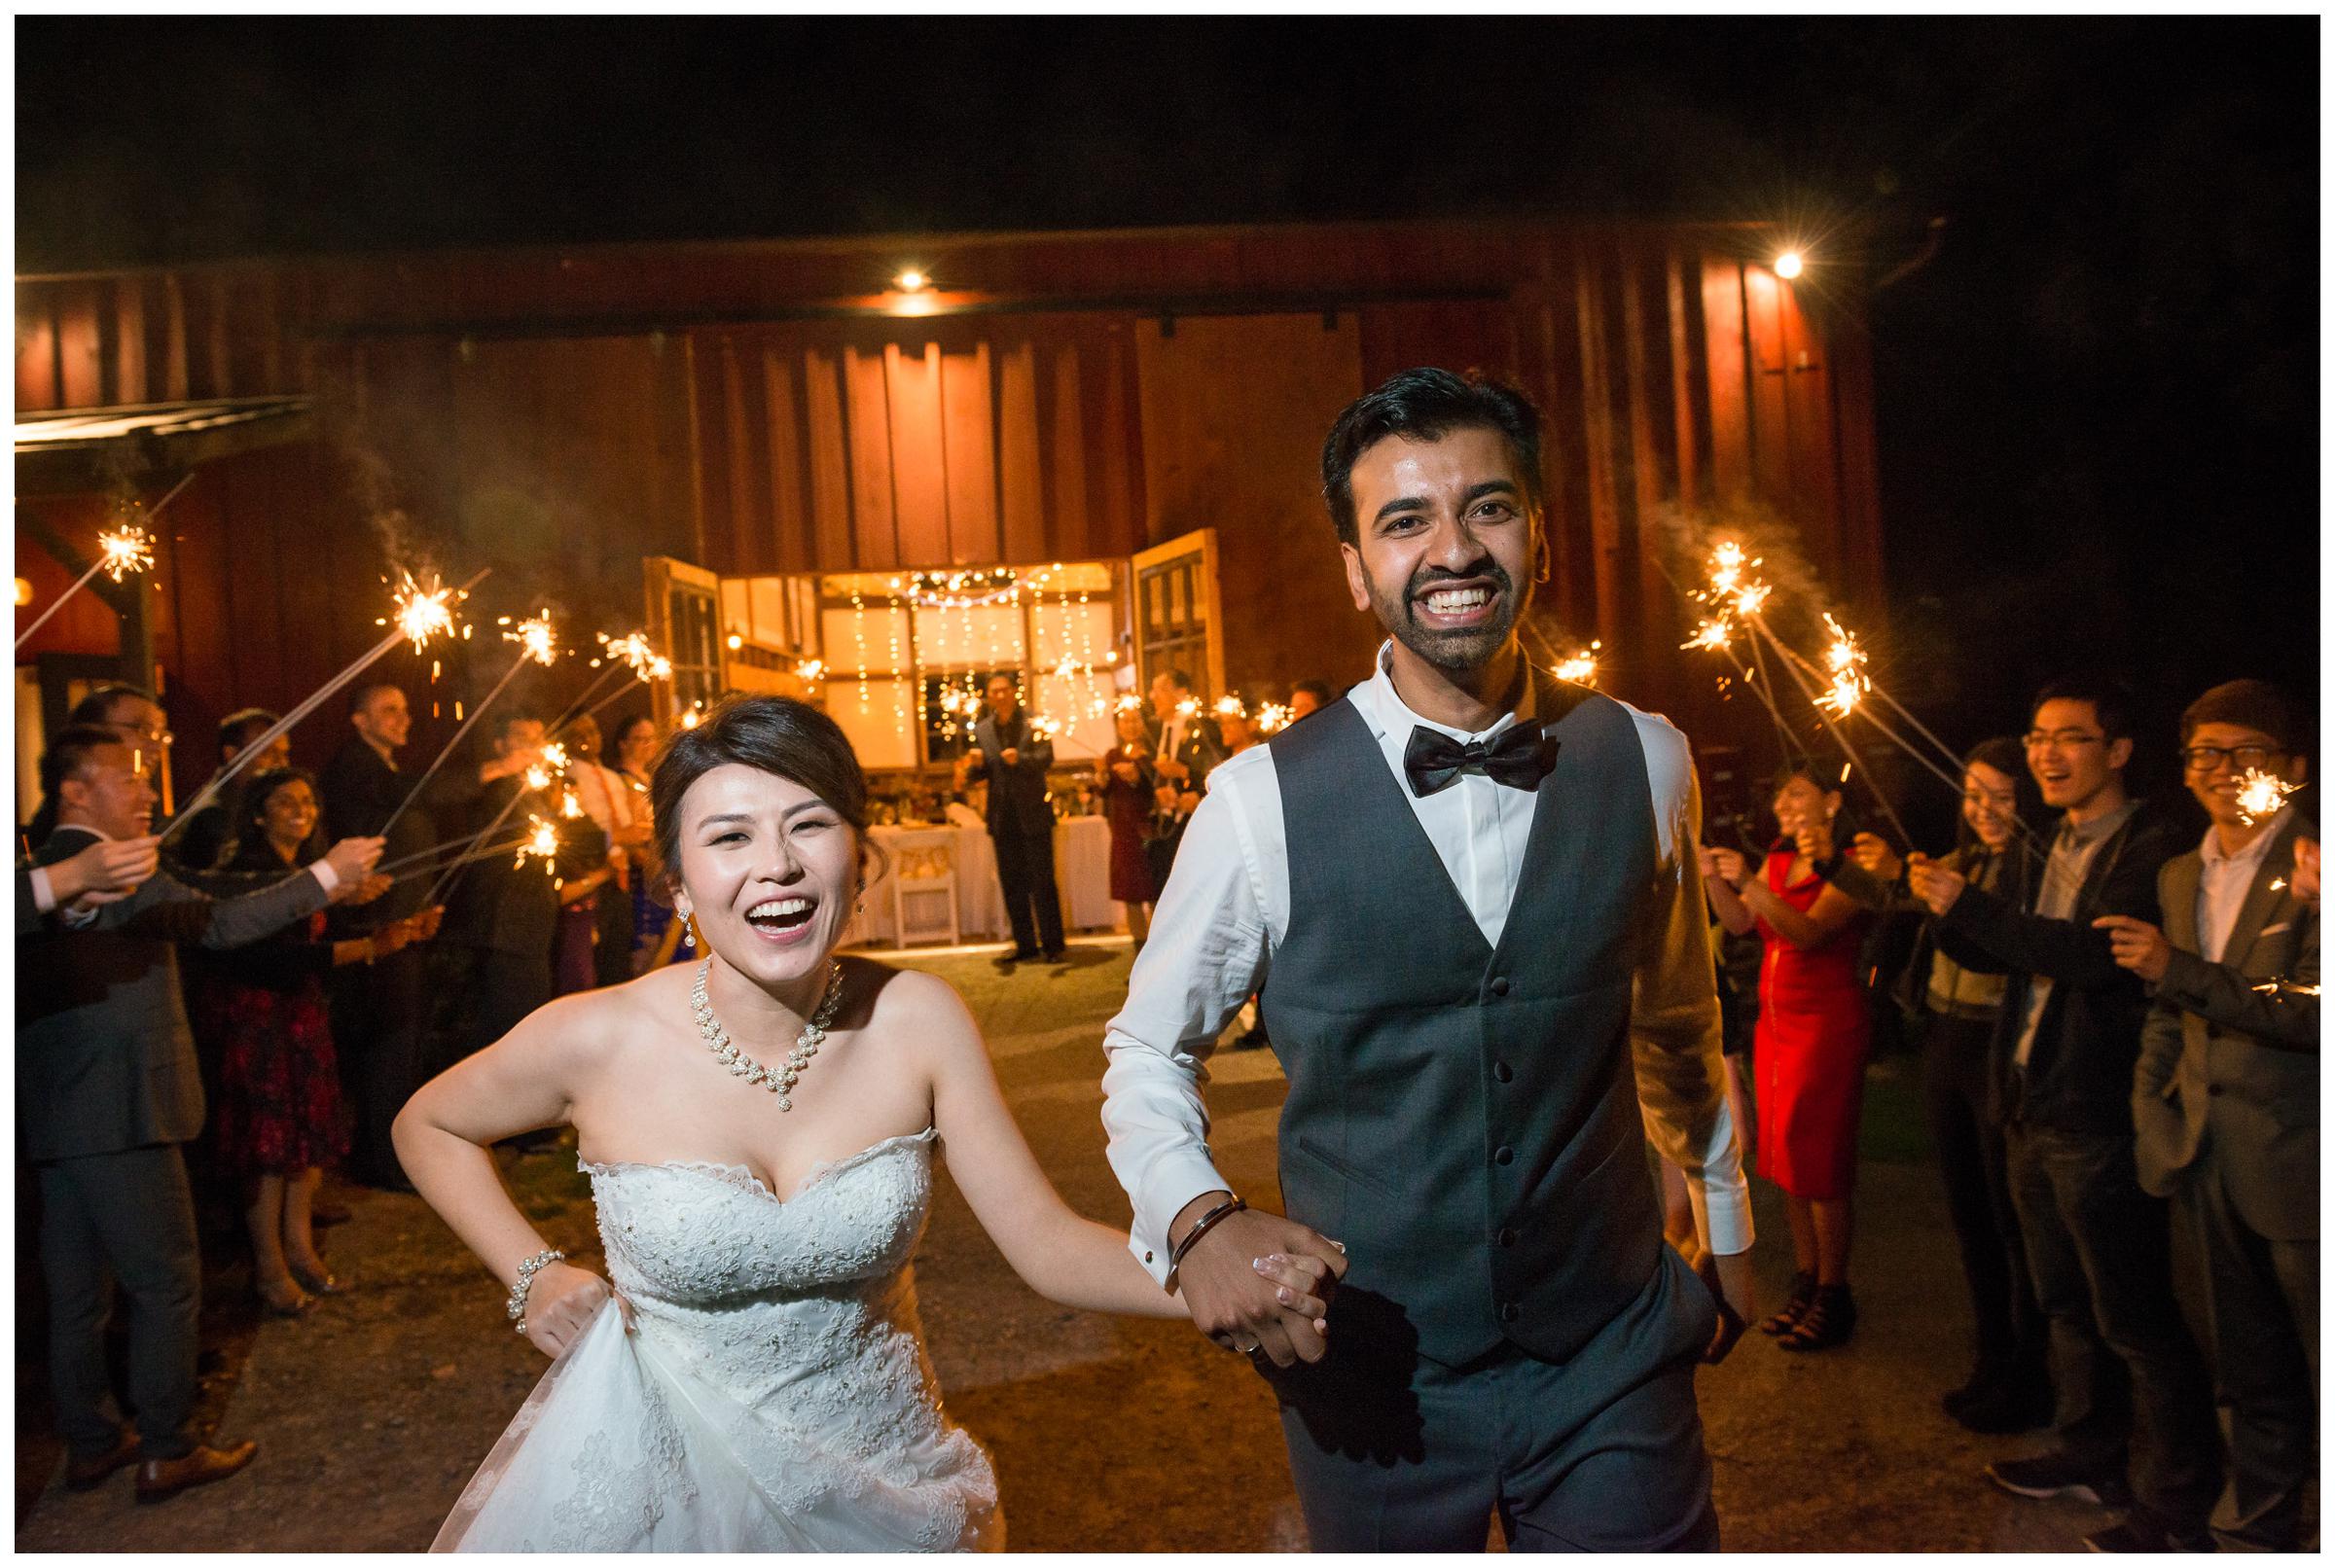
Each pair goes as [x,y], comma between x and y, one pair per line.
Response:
[780,1336]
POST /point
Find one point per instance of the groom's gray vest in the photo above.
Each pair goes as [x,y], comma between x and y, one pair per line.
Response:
[1465,1118]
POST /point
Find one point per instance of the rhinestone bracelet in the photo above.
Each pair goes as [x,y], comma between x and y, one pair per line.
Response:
[516,1309]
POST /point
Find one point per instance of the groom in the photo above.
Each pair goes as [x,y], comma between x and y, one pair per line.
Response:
[1473,887]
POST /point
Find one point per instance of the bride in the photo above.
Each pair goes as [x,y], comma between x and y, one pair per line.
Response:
[758,1130]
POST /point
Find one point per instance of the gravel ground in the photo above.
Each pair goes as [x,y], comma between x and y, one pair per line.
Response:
[373,1410]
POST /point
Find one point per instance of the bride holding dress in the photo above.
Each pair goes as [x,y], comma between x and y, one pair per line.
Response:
[759,1128]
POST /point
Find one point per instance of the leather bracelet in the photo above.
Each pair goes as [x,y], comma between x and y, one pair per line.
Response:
[1207,1223]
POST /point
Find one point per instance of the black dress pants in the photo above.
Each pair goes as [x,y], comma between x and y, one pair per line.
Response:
[1026,876]
[2132,1393]
[381,1033]
[2257,1308]
[2012,1339]
[126,1218]
[1394,1452]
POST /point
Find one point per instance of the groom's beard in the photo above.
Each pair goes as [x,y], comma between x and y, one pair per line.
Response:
[1455,652]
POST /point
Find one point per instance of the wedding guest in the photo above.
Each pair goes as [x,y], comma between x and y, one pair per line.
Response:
[1124,777]
[280,1118]
[197,844]
[1808,1046]
[1238,729]
[380,1011]
[134,716]
[1014,757]
[633,753]
[2226,1103]
[2134,1403]
[596,910]
[1309,697]
[107,1090]
[1189,746]
[2009,1386]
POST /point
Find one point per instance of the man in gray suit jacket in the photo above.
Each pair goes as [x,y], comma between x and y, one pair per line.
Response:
[106,1091]
[2225,1105]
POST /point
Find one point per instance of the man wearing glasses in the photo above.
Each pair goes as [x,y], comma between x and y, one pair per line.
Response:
[2097,1246]
[134,715]
[2225,1100]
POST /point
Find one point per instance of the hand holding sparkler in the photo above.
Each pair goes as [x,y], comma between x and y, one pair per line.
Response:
[372,886]
[1874,856]
[352,859]
[2136,945]
[1934,882]
[1725,865]
[1815,842]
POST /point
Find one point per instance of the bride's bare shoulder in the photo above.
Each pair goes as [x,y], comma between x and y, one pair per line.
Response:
[903,1003]
[593,1023]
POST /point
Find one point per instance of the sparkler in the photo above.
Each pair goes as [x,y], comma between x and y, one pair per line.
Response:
[2261,795]
[419,617]
[630,652]
[120,552]
[1847,678]
[1272,717]
[537,643]
[1580,666]
[542,842]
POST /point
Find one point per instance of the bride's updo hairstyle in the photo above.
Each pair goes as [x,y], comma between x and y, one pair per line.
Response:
[776,734]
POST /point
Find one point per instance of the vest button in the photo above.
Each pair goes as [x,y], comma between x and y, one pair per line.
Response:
[1499,986]
[1503,1156]
[1507,1238]
[1510,1311]
[1502,1071]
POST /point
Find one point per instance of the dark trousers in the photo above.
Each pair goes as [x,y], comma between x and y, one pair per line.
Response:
[2132,1393]
[2257,1305]
[126,1218]
[2012,1341]
[612,958]
[484,995]
[381,1033]
[1026,876]
[1394,1452]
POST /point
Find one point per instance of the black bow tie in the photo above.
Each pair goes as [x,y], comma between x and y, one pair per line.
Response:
[1519,759]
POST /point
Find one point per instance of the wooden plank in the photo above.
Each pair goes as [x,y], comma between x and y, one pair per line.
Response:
[1688,433]
[1771,426]
[1810,453]
[1067,519]
[969,456]
[1646,395]
[129,339]
[920,472]
[1598,449]
[174,312]
[793,538]
[1020,478]
[219,357]
[875,540]
[79,358]
[1726,351]
[1858,466]
[743,441]
[829,461]
[38,383]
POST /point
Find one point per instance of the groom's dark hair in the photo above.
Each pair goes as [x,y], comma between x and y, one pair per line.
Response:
[774,734]
[1426,404]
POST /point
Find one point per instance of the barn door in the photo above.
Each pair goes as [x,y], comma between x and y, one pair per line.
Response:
[1179,612]
[685,623]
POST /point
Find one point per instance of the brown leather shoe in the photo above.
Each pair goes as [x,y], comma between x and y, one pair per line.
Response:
[82,1475]
[159,1479]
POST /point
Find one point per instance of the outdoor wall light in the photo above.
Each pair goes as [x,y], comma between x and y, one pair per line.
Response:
[23,591]
[912,281]
[1787,266]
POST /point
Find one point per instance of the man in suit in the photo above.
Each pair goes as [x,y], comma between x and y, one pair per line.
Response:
[107,1089]
[1474,889]
[2225,1104]
[2132,1415]
[196,844]
[1014,757]
[1191,745]
[135,717]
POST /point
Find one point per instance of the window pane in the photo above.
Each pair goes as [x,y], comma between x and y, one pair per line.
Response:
[879,724]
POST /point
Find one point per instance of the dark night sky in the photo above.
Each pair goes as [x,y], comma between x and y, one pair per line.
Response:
[2098,400]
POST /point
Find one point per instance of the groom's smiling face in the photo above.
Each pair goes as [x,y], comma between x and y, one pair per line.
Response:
[1445,543]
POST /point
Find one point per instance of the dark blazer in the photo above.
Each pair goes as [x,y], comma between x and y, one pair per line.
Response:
[105,1061]
[361,793]
[504,907]
[2079,1076]
[1202,749]
[2225,1071]
[1018,799]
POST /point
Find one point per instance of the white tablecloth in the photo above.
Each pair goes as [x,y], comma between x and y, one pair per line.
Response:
[1082,871]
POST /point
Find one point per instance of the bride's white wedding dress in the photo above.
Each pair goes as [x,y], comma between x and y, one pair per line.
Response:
[775,1394]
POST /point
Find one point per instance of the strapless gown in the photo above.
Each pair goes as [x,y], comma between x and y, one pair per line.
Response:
[775,1394]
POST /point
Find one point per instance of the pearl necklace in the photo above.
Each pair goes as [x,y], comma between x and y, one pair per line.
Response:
[780,1080]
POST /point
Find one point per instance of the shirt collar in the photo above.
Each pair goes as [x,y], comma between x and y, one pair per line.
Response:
[2083,837]
[1388,714]
[2210,850]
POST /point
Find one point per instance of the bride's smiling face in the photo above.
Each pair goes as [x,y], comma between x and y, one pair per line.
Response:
[769,870]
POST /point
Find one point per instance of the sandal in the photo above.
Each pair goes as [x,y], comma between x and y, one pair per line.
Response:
[1828,1321]
[1804,1295]
[280,1298]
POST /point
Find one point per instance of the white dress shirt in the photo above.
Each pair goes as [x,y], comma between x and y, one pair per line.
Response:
[2224,883]
[1226,909]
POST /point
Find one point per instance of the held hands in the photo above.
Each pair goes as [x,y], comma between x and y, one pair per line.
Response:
[1934,883]
[2136,945]
[561,1303]
[352,859]
[1258,1281]
[1727,865]
[1872,854]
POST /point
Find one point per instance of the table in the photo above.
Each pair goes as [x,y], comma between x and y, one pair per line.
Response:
[1081,872]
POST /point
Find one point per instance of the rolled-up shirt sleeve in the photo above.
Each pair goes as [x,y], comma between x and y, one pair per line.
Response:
[1674,1034]
[1207,952]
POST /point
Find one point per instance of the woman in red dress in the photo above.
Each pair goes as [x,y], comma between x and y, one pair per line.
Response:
[1808,1051]
[1124,777]
[281,1119]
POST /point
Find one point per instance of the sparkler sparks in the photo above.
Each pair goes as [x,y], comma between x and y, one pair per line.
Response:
[1229,706]
[1846,662]
[1716,635]
[1581,668]
[542,842]
[2261,795]
[536,639]
[421,616]
[570,807]
[129,550]
[1272,717]
[1127,702]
